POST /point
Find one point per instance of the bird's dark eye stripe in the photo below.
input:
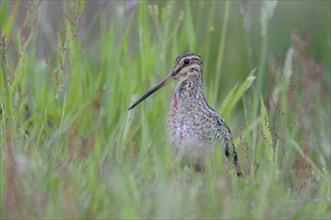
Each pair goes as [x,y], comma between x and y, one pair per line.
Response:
[196,59]
[179,69]
[188,61]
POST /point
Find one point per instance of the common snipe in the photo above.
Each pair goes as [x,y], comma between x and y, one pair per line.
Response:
[193,126]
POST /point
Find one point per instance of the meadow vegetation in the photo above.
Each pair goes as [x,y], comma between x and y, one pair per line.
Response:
[70,149]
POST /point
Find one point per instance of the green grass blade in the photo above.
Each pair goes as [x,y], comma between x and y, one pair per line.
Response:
[235,95]
[10,21]
[220,55]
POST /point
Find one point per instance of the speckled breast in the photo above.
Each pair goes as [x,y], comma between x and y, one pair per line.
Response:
[190,132]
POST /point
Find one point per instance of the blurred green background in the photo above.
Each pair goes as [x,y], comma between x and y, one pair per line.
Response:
[70,69]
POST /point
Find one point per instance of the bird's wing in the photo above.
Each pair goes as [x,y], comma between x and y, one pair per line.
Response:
[223,135]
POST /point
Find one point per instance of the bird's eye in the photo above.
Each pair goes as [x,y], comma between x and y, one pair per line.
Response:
[186,61]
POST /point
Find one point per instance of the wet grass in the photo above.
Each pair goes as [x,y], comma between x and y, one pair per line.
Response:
[70,148]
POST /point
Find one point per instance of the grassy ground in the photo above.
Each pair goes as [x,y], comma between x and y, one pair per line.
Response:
[70,148]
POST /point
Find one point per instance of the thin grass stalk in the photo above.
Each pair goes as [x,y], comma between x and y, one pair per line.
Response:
[220,54]
[207,43]
[261,69]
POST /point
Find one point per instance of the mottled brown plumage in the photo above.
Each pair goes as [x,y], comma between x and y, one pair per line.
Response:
[193,126]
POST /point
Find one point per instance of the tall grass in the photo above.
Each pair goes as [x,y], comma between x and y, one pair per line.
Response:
[70,148]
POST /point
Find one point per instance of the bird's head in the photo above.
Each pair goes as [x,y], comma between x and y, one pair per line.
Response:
[186,66]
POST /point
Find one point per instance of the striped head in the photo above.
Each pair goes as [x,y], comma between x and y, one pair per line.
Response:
[186,66]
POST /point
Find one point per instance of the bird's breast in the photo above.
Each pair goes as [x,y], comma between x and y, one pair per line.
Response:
[189,132]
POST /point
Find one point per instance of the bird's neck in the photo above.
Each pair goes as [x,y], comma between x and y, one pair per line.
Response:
[191,91]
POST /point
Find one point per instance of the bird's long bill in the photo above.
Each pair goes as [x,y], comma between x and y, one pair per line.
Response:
[151,91]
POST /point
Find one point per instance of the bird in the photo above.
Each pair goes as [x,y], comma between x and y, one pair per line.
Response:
[194,128]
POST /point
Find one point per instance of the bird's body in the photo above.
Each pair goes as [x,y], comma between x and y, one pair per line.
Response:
[194,128]
[192,125]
